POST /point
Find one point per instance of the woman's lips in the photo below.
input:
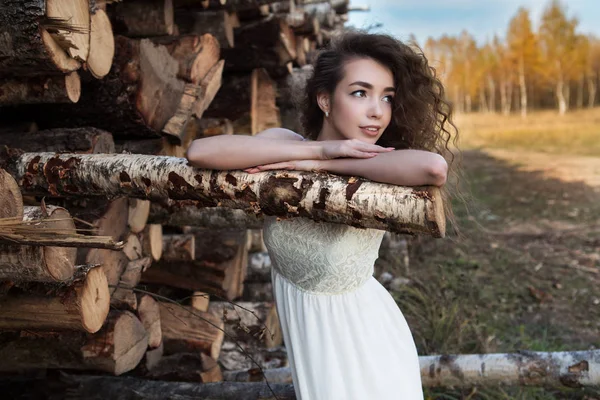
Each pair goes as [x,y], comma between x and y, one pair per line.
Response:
[373,132]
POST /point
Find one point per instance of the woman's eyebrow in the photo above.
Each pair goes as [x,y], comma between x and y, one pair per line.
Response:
[367,85]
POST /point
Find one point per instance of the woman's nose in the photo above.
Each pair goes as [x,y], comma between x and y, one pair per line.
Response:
[375,110]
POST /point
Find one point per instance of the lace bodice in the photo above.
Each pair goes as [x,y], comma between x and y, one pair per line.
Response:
[322,257]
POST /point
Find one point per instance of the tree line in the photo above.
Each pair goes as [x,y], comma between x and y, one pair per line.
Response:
[553,67]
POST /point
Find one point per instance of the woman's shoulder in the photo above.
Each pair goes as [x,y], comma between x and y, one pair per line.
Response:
[280,133]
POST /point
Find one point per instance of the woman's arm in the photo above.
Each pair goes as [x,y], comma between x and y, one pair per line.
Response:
[226,152]
[400,167]
[272,146]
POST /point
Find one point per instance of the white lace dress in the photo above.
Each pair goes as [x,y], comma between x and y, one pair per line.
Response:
[345,336]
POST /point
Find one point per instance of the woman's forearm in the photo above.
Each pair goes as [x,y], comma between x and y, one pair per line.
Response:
[400,167]
[240,151]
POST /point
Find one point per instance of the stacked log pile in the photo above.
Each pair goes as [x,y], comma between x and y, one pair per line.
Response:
[95,77]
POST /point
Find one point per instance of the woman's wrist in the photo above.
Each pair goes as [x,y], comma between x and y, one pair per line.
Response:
[314,150]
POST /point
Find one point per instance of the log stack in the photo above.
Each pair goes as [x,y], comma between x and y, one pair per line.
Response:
[140,77]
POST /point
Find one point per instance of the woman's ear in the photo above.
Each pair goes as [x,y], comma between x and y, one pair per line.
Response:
[323,102]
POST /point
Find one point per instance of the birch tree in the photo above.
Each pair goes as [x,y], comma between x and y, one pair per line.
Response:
[557,37]
[523,49]
[593,69]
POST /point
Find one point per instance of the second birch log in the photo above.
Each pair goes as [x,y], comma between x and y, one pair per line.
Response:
[557,369]
[319,196]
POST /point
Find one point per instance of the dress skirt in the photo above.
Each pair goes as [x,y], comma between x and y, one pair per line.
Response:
[354,345]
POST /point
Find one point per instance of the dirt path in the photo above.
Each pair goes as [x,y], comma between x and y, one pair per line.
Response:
[525,274]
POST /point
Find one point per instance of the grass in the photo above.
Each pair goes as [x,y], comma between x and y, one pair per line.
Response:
[525,273]
[577,132]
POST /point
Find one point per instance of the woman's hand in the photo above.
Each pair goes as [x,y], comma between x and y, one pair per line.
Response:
[296,165]
[350,148]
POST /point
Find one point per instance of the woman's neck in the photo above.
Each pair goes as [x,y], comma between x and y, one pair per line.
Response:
[328,132]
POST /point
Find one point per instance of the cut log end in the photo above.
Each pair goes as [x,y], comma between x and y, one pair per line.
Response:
[73,86]
[59,261]
[435,213]
[153,241]
[95,300]
[132,345]
[119,346]
[133,247]
[11,200]
[75,15]
[169,16]
[138,214]
[149,313]
[58,56]
[102,45]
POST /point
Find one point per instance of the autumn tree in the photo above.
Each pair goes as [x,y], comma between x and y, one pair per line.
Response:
[523,51]
[558,43]
[592,69]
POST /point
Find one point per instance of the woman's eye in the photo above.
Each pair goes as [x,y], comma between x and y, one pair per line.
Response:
[389,99]
[359,93]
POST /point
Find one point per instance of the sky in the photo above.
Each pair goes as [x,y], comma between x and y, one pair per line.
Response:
[481,18]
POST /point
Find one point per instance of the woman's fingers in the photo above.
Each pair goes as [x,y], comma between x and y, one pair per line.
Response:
[362,154]
[368,147]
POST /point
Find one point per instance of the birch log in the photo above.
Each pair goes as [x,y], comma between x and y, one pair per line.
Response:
[319,196]
[568,369]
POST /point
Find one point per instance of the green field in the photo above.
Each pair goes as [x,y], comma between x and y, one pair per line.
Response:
[577,132]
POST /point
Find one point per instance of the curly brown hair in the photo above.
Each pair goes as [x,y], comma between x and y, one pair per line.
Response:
[421,116]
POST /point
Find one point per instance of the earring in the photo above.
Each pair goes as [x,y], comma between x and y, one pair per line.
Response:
[326,114]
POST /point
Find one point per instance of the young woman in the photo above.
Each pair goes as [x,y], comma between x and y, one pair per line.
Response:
[374,108]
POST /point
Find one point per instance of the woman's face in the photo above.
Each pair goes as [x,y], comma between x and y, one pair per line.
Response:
[361,107]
